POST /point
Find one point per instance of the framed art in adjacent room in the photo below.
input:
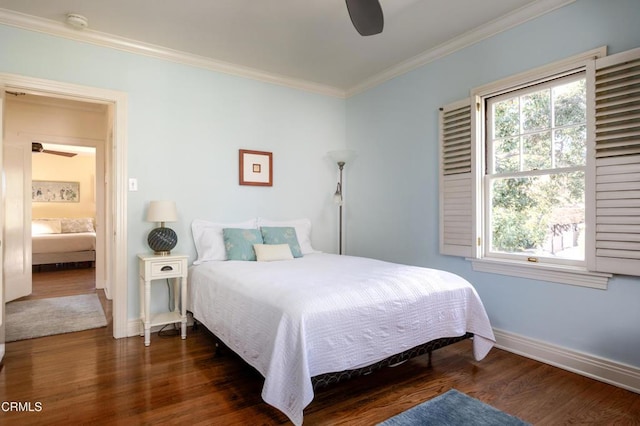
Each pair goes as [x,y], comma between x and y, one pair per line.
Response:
[256,168]
[55,192]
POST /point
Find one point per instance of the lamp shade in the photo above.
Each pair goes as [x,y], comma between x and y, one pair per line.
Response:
[342,155]
[337,197]
[162,211]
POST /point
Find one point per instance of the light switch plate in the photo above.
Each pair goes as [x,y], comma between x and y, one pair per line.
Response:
[133,184]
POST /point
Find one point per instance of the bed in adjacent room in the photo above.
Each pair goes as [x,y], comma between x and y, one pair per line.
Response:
[297,318]
[62,240]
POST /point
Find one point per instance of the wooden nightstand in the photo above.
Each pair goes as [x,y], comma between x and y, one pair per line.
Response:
[152,267]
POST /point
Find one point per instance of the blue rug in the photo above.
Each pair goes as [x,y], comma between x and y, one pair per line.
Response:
[453,408]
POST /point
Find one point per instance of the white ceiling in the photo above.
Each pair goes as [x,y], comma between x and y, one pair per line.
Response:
[295,42]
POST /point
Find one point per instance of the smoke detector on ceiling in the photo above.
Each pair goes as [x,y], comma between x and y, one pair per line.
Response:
[77,21]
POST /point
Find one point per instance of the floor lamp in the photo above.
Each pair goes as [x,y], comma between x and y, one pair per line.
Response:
[341,157]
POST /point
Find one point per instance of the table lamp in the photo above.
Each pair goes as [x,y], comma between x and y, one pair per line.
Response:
[161,240]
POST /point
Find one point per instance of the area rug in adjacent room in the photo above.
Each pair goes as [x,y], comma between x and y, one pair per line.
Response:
[453,408]
[43,317]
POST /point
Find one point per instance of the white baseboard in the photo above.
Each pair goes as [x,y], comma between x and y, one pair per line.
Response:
[604,370]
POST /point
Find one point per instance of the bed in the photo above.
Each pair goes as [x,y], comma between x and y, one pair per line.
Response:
[319,316]
[63,240]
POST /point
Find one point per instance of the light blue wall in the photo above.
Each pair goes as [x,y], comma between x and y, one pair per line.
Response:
[185,126]
[393,184]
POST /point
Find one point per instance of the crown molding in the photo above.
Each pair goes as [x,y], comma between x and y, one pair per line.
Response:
[88,35]
[467,39]
[33,23]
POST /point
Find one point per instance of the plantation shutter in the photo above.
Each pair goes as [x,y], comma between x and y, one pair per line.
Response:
[456,180]
[617,163]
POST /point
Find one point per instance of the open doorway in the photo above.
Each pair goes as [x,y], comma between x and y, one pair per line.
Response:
[53,222]
[114,259]
[63,221]
[63,207]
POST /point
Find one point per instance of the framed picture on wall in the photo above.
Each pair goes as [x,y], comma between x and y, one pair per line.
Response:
[46,191]
[256,168]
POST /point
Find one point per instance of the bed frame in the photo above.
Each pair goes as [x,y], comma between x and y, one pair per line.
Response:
[68,257]
[327,379]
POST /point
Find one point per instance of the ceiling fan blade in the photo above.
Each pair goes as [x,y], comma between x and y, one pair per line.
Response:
[64,154]
[366,16]
[36,147]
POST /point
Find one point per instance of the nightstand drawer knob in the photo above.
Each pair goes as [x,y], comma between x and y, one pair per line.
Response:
[166,268]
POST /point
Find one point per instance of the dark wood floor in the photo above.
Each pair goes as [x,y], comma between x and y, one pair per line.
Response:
[90,378]
[51,282]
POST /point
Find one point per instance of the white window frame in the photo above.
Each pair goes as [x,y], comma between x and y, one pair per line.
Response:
[489,175]
[574,274]
[612,187]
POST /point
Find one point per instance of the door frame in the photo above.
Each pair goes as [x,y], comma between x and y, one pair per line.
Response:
[116,271]
[2,310]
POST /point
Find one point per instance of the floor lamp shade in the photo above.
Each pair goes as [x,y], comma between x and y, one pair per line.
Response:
[342,155]
[162,240]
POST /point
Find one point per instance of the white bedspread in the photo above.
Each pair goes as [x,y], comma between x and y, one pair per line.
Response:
[63,243]
[321,313]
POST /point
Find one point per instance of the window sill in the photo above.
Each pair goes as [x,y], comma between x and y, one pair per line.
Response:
[544,272]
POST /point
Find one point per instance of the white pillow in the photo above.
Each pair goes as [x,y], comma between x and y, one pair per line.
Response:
[209,241]
[303,231]
[72,226]
[46,226]
[271,252]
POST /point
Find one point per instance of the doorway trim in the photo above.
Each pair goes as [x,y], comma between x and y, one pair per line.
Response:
[115,171]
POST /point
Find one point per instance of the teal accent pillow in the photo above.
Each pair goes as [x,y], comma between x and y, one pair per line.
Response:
[238,243]
[282,235]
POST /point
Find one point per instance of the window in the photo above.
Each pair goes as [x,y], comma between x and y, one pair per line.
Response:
[535,172]
[539,173]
